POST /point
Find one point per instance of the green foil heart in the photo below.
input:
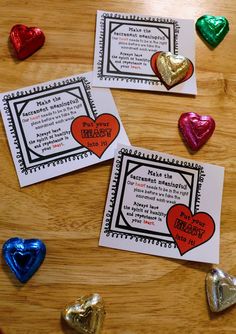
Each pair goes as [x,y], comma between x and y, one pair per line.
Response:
[212,28]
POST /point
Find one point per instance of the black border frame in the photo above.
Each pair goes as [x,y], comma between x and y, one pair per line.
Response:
[118,163]
[44,89]
[154,21]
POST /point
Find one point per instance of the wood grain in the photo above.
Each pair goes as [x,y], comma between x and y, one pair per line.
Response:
[143,294]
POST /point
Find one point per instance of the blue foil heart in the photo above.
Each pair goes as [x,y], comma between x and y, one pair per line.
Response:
[24,257]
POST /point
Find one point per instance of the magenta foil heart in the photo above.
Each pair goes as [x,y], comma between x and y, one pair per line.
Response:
[196,129]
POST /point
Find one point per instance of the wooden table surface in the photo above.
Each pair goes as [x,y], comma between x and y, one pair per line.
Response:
[143,294]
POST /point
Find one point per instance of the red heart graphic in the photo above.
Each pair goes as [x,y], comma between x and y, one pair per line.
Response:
[189,231]
[96,135]
[196,129]
[155,70]
[26,40]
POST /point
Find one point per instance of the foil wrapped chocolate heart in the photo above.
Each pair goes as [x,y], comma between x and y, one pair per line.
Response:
[196,129]
[220,289]
[24,257]
[212,28]
[171,69]
[26,40]
[86,315]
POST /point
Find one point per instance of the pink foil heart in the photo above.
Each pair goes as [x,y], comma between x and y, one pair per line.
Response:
[196,129]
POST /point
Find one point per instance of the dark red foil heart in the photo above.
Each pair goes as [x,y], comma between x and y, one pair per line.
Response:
[196,129]
[26,40]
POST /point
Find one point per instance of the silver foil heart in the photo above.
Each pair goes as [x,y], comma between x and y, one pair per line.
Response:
[220,289]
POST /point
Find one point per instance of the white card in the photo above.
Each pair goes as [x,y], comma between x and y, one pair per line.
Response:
[60,126]
[163,205]
[126,43]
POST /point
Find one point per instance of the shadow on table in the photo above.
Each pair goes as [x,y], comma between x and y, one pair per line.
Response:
[166,93]
[11,277]
[216,315]
[203,267]
[65,327]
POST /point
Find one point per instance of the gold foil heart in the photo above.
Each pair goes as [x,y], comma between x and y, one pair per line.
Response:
[172,68]
[221,290]
[86,315]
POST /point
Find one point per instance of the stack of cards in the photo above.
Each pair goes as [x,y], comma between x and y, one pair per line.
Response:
[157,203]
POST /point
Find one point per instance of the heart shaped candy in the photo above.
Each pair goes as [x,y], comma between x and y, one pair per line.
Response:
[189,231]
[26,40]
[220,289]
[212,28]
[96,135]
[86,315]
[171,69]
[24,257]
[196,129]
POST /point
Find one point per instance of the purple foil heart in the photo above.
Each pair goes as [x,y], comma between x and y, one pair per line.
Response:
[196,129]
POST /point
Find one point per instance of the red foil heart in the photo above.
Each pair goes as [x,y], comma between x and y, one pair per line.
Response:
[196,129]
[26,40]
[189,231]
[96,135]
